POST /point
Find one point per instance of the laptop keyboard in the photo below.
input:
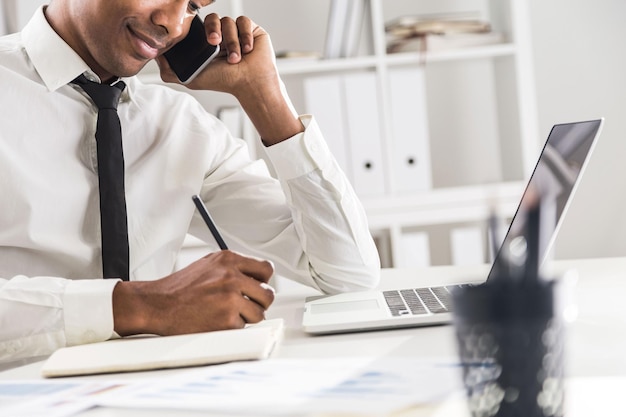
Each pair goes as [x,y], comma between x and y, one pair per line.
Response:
[413,301]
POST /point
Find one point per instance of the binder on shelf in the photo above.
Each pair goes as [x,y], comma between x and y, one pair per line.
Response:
[353,27]
[16,14]
[467,246]
[409,124]
[324,100]
[414,250]
[337,17]
[363,127]
[8,16]
[345,20]
[3,18]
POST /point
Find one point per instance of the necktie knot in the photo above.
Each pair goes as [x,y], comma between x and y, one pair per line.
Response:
[104,96]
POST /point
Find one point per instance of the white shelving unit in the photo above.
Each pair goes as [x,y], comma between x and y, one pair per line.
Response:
[483,130]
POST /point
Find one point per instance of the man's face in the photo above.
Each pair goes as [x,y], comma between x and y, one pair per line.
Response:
[118,37]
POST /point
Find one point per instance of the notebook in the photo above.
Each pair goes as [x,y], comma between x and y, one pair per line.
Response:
[254,342]
[557,173]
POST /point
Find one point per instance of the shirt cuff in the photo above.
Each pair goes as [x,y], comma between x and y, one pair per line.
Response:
[88,311]
[302,153]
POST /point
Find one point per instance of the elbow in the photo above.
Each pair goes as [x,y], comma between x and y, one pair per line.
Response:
[363,277]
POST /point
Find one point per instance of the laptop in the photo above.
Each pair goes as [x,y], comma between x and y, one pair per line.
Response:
[557,174]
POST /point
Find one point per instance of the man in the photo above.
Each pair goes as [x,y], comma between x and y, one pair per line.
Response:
[308,223]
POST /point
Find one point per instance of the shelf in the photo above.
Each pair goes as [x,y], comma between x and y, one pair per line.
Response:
[489,51]
[288,66]
[297,66]
[449,205]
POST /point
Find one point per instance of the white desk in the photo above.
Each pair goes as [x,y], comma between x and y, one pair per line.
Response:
[596,341]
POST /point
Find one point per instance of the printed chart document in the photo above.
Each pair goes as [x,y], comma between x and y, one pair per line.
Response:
[363,386]
[254,342]
[49,398]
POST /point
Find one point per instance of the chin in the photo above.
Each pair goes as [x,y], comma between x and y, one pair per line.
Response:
[130,70]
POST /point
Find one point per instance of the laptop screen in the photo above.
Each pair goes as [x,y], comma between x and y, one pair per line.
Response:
[555,178]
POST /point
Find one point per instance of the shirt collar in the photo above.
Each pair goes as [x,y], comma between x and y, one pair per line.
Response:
[54,60]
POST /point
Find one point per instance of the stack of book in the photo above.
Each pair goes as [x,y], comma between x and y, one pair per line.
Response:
[415,33]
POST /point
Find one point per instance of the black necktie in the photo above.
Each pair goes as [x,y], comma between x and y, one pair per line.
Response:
[113,220]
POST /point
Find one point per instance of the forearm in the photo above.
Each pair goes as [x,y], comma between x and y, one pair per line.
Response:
[271,112]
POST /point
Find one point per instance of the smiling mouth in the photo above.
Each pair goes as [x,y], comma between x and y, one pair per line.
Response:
[145,46]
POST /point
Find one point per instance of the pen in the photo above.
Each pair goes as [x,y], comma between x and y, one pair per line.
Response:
[209,221]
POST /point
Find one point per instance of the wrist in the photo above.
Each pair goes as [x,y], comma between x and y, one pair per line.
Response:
[130,311]
[271,112]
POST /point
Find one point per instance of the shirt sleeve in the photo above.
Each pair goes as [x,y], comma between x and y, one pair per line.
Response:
[328,217]
[53,312]
[306,218]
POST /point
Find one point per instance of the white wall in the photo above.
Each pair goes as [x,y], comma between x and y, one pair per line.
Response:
[580,71]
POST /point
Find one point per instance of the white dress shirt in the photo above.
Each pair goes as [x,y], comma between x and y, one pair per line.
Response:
[309,222]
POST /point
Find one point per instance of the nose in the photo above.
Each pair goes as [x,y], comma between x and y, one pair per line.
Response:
[173,16]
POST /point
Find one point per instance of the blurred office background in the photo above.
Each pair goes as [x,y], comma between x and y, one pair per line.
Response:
[579,67]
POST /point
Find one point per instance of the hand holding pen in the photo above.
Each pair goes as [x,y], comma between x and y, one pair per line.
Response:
[222,290]
[204,212]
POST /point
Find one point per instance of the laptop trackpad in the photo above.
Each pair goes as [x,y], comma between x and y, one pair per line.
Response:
[343,306]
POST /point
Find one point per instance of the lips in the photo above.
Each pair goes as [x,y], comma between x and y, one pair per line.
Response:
[145,46]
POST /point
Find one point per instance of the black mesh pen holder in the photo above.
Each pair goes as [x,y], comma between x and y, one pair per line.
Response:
[511,346]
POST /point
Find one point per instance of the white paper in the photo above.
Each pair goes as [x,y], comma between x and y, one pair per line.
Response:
[49,398]
[298,387]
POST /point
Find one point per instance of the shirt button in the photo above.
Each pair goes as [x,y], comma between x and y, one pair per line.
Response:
[313,149]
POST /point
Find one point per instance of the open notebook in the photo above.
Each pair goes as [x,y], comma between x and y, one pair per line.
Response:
[558,171]
[254,342]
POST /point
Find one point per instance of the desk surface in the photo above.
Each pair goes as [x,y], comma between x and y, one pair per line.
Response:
[596,340]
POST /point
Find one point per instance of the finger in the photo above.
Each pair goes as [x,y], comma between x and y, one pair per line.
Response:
[253,315]
[246,37]
[259,293]
[251,312]
[230,40]
[213,27]
[260,270]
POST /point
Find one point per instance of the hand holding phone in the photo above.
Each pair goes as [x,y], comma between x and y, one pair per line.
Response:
[191,55]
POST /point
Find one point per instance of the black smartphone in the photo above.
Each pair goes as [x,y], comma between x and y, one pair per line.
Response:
[191,55]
